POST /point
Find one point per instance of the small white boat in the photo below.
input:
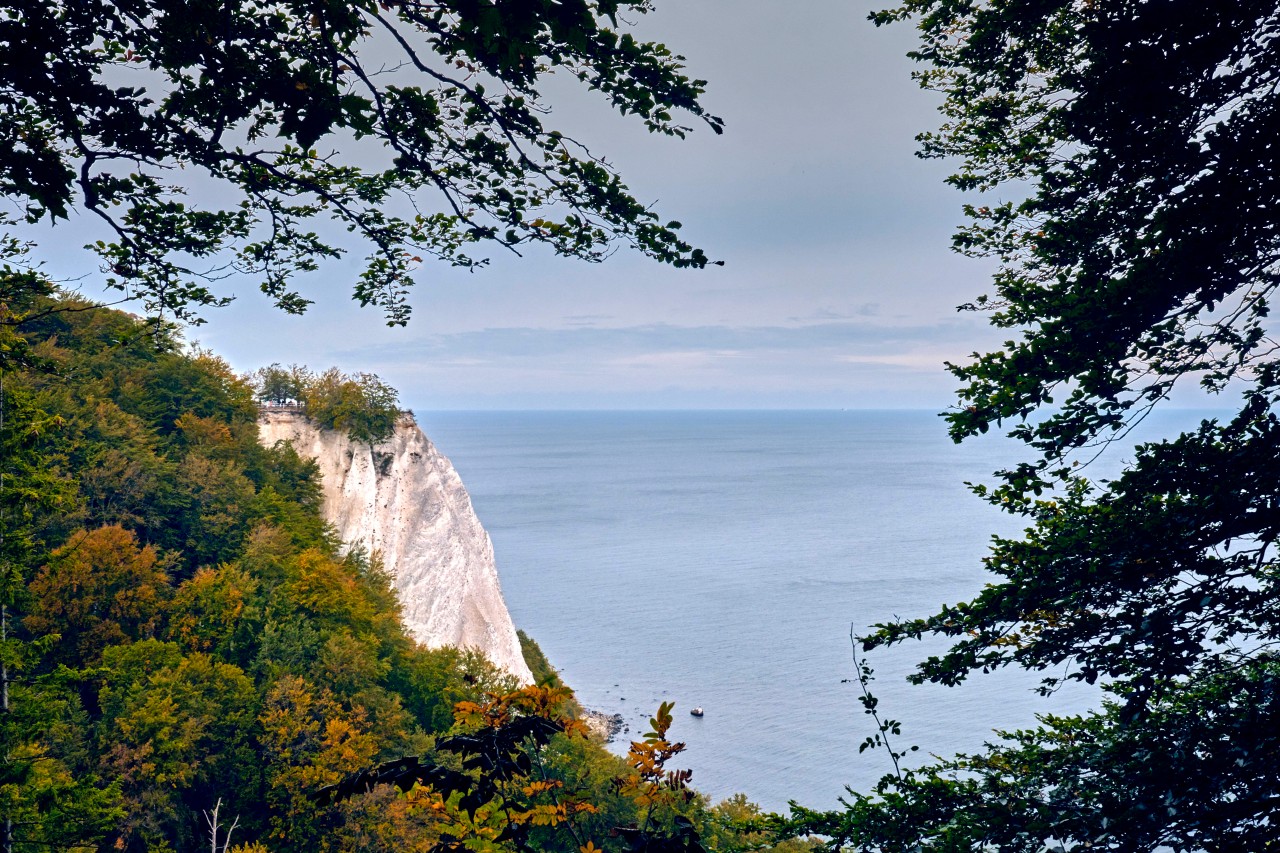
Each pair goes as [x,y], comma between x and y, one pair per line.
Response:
[697,712]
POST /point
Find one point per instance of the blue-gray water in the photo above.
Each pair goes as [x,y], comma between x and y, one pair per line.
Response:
[718,559]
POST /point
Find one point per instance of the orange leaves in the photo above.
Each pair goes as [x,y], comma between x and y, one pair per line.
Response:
[99,589]
[583,808]
[476,714]
[533,789]
[499,709]
[654,785]
[577,728]
[508,785]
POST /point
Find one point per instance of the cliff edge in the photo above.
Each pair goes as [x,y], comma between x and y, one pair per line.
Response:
[401,497]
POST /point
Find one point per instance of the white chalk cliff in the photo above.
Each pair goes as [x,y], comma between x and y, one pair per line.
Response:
[403,499]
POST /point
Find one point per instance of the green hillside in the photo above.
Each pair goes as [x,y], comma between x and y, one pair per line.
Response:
[184,632]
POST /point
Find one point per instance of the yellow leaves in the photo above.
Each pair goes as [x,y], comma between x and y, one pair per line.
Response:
[428,799]
[208,607]
[550,814]
[327,589]
[499,709]
[309,740]
[541,815]
[345,746]
[204,432]
[306,727]
[533,789]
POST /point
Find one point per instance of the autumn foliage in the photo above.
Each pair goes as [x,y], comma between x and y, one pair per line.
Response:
[491,784]
[191,651]
[183,630]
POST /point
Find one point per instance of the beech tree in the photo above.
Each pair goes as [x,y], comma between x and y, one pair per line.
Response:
[102,588]
[420,128]
[1130,148]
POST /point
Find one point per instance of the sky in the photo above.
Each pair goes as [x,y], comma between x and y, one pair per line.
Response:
[838,288]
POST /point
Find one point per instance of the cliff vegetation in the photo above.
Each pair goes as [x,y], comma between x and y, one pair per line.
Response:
[361,405]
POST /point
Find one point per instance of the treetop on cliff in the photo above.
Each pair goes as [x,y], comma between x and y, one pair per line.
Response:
[361,405]
[420,128]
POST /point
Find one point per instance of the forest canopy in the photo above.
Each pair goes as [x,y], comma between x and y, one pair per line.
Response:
[243,138]
[193,658]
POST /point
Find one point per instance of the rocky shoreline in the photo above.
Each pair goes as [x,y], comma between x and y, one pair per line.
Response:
[608,726]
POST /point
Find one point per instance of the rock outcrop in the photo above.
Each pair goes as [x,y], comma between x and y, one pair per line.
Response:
[403,499]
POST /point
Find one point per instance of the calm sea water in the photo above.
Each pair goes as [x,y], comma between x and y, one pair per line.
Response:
[718,559]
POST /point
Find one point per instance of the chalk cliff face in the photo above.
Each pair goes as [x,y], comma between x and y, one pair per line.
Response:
[403,499]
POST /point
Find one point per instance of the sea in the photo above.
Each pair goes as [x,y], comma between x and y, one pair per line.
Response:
[720,560]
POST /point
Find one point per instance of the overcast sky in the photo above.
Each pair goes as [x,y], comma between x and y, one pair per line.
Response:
[838,289]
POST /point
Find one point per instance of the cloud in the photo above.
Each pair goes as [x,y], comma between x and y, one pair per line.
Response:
[843,339]
[866,309]
[839,286]
[837,363]
[587,319]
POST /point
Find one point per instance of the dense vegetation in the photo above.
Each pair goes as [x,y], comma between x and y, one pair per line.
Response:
[362,406]
[1139,251]
[185,634]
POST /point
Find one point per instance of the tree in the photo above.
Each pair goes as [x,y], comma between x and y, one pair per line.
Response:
[213,612]
[493,784]
[418,127]
[362,406]
[99,589]
[178,742]
[280,386]
[1142,257]
[46,800]
[309,741]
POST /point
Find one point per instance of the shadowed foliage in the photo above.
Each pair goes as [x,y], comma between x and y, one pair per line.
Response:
[419,129]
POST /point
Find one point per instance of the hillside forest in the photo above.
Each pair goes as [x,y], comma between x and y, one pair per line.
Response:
[192,657]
